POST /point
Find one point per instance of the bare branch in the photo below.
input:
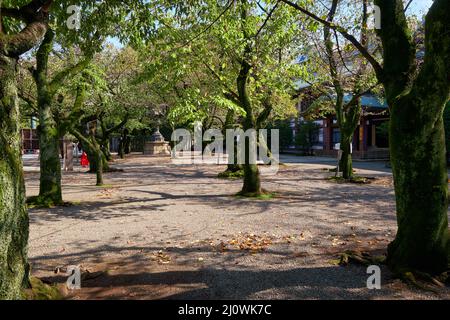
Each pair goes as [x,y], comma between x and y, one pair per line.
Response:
[375,64]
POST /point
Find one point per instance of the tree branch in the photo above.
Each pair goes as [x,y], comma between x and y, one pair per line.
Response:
[375,64]
[59,78]
[269,15]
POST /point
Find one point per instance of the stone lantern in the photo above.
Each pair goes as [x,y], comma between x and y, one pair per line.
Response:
[157,145]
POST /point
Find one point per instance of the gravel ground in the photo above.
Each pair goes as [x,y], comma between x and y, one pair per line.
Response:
[159,230]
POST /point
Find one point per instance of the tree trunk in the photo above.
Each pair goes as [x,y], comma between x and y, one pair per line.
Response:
[349,118]
[418,159]
[95,155]
[417,138]
[99,171]
[346,164]
[121,149]
[229,124]
[14,268]
[50,165]
[252,180]
[106,148]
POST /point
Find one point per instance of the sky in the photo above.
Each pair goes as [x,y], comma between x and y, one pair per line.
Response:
[420,7]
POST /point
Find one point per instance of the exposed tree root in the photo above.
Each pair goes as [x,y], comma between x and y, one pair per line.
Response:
[414,278]
[41,291]
[229,174]
[423,281]
[357,257]
[262,195]
[44,202]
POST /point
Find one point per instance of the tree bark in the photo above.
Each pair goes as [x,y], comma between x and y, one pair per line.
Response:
[96,157]
[346,163]
[100,155]
[229,124]
[49,151]
[417,138]
[418,160]
[14,268]
[13,213]
[349,119]
[252,179]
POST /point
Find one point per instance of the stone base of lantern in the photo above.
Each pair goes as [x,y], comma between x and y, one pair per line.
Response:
[157,148]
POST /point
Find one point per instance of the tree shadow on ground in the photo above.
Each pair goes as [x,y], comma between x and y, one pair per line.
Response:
[138,280]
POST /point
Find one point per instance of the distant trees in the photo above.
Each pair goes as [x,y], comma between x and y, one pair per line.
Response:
[307,136]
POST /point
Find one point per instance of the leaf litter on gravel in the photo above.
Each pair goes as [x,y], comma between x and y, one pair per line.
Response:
[161,257]
[253,243]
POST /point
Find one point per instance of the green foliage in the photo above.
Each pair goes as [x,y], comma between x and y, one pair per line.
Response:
[383,130]
[307,134]
[285,132]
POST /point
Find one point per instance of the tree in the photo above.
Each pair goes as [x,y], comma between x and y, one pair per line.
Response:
[249,49]
[49,130]
[307,136]
[110,101]
[98,22]
[23,25]
[416,96]
[14,269]
[348,114]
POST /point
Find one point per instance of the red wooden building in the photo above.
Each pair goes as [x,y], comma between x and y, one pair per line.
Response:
[370,138]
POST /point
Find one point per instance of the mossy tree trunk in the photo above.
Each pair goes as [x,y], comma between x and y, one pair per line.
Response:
[96,156]
[13,214]
[106,147]
[348,122]
[100,157]
[416,136]
[49,135]
[121,148]
[418,159]
[14,269]
[252,179]
[229,124]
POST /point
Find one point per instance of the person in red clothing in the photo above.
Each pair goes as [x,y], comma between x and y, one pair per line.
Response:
[84,160]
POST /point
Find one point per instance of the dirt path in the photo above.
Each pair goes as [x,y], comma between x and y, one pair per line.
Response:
[159,230]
